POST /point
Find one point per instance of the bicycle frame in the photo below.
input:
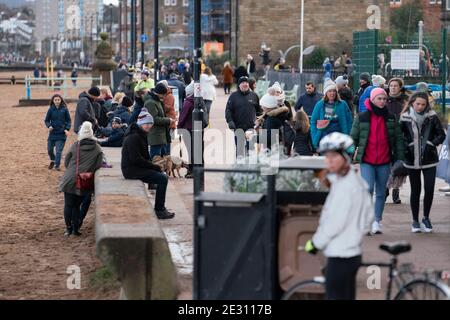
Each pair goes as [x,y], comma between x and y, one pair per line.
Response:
[392,273]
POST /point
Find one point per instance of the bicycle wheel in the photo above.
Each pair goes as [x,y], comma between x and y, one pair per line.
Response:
[307,290]
[423,289]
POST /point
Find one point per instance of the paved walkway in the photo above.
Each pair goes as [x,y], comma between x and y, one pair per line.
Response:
[429,250]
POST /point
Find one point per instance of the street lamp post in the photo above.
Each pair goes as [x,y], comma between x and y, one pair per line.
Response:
[110,23]
[142,31]
[444,53]
[300,64]
[156,37]
[197,115]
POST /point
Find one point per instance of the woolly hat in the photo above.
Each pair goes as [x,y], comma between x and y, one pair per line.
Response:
[378,80]
[376,92]
[127,102]
[242,79]
[399,80]
[190,89]
[268,101]
[86,131]
[341,80]
[160,88]
[117,120]
[365,76]
[146,72]
[144,118]
[422,87]
[94,91]
[328,85]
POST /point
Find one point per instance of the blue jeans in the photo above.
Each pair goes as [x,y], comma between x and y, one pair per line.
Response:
[377,177]
[59,146]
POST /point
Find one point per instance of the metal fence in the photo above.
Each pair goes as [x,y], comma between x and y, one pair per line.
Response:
[64,85]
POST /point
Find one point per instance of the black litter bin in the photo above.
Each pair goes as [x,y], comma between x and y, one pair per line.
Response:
[235,247]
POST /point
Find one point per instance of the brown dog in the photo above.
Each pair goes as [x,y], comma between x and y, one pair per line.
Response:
[177,164]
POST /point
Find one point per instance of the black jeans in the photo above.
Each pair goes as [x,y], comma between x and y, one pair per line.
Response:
[161,180]
[227,87]
[429,177]
[341,278]
[86,203]
[72,210]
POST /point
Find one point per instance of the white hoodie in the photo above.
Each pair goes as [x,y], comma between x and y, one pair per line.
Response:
[346,217]
[207,84]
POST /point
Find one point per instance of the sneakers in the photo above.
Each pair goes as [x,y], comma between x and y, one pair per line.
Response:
[415,227]
[57,168]
[68,232]
[51,165]
[396,196]
[445,189]
[77,233]
[164,214]
[189,175]
[427,225]
[376,227]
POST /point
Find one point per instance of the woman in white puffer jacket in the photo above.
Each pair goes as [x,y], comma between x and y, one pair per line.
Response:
[208,81]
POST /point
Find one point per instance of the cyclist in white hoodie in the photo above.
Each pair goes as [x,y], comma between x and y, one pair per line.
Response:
[346,217]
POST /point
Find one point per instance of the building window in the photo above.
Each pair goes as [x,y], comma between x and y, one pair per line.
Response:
[185,20]
[185,3]
[173,19]
[174,2]
[167,3]
[166,18]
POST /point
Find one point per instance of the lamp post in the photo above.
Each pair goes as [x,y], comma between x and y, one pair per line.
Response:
[142,32]
[300,64]
[110,23]
[197,115]
[156,38]
[444,53]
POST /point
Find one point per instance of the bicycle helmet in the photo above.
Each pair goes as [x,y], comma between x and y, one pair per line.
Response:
[337,142]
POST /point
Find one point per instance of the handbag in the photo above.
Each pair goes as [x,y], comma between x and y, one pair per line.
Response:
[85,180]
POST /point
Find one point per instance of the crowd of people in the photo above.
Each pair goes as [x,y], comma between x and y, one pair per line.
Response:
[395,132]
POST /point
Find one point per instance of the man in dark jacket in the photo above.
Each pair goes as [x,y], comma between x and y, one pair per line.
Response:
[85,109]
[241,111]
[308,100]
[344,91]
[174,81]
[115,138]
[123,111]
[239,73]
[136,163]
[364,83]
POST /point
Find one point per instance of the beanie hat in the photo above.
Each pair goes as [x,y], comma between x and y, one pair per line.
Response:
[422,87]
[242,79]
[378,81]
[399,80]
[86,131]
[144,118]
[328,85]
[164,82]
[127,101]
[117,120]
[160,88]
[269,101]
[364,76]
[190,89]
[376,92]
[94,91]
[146,72]
[341,80]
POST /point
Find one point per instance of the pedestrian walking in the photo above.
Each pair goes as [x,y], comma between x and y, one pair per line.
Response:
[85,109]
[377,82]
[58,123]
[422,133]
[185,127]
[159,136]
[330,114]
[240,72]
[74,76]
[85,155]
[396,103]
[309,99]
[302,140]
[169,110]
[208,81]
[251,66]
[379,141]
[364,83]
[345,219]
[240,113]
[345,93]
[227,73]
[136,162]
